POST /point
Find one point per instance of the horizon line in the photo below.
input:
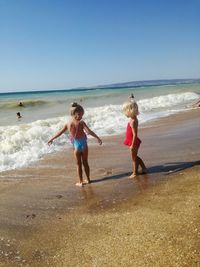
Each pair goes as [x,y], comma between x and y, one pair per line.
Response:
[119,85]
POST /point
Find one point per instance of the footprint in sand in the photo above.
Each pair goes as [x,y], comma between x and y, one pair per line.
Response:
[105,171]
[108,172]
[59,196]
[31,216]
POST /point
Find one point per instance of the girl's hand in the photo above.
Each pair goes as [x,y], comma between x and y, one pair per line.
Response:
[100,142]
[50,142]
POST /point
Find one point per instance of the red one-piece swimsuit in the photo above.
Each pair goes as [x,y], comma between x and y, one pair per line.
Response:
[129,137]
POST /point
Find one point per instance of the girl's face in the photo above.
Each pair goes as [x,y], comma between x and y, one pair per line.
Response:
[78,116]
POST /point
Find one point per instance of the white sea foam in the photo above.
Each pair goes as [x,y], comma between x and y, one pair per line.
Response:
[166,101]
[25,143]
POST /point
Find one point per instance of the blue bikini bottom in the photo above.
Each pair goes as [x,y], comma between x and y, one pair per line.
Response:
[79,144]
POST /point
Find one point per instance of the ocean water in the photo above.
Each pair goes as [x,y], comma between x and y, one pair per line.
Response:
[44,113]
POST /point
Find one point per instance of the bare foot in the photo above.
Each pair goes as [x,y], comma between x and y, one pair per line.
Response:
[133,175]
[87,181]
[79,184]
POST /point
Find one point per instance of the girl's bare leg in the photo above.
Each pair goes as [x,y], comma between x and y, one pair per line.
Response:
[135,162]
[77,155]
[141,163]
[85,164]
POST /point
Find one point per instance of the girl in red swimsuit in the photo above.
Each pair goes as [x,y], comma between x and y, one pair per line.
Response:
[130,109]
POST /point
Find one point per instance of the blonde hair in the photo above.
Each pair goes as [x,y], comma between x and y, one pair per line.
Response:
[75,107]
[130,109]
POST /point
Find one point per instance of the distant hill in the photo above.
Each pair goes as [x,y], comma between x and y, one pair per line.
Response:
[148,83]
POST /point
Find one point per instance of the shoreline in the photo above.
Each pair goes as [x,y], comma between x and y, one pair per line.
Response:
[145,126]
[44,213]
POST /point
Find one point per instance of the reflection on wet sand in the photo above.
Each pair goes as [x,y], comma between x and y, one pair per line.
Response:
[88,193]
[142,182]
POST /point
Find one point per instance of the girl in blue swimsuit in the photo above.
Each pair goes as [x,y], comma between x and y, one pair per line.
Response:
[77,128]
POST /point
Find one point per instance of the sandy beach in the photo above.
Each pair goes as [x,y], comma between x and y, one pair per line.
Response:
[153,220]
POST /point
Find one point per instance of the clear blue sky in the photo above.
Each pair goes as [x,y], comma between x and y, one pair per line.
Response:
[57,44]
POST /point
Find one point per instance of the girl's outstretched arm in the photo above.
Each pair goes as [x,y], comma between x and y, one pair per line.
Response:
[64,129]
[88,131]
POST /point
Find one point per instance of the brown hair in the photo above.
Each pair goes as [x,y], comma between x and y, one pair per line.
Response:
[75,107]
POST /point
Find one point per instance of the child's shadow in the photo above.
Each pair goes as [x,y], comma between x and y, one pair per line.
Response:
[167,168]
[172,167]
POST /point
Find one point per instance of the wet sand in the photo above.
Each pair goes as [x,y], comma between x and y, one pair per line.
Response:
[115,221]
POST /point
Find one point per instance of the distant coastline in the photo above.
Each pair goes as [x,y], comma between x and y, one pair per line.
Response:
[134,84]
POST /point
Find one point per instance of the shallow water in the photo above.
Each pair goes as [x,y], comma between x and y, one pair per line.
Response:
[44,113]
